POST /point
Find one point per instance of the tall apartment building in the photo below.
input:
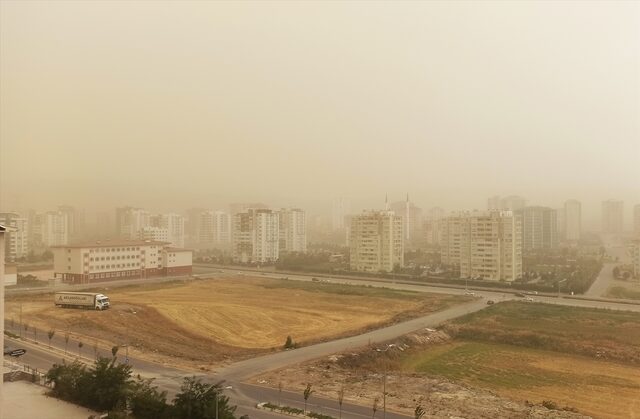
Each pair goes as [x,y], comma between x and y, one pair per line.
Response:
[75,221]
[214,229]
[376,241]
[292,225]
[539,228]
[17,236]
[572,220]
[174,224]
[411,217]
[244,206]
[256,236]
[612,216]
[129,221]
[636,219]
[485,245]
[340,209]
[51,229]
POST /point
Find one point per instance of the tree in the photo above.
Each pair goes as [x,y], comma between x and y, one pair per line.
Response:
[95,348]
[279,391]
[114,350]
[419,412]
[109,384]
[289,343]
[147,402]
[50,335]
[375,406]
[198,400]
[66,380]
[35,334]
[306,394]
[66,342]
[340,400]
[80,345]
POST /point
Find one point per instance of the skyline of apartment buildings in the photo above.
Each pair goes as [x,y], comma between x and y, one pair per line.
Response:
[508,203]
[376,241]
[485,245]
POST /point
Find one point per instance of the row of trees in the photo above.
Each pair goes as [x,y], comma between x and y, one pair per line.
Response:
[108,386]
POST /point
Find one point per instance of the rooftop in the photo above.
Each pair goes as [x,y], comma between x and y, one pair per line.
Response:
[114,243]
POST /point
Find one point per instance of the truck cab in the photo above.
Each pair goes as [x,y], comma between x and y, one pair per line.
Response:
[102,302]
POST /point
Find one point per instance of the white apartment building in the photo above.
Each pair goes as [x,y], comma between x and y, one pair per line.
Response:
[17,237]
[174,224]
[485,245]
[214,229]
[52,229]
[376,241]
[129,221]
[154,234]
[292,225]
[539,227]
[100,261]
[572,220]
[411,217]
[256,236]
[341,208]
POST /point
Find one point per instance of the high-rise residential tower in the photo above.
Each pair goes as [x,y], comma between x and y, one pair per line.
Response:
[292,224]
[485,245]
[376,241]
[256,236]
[539,227]
[16,237]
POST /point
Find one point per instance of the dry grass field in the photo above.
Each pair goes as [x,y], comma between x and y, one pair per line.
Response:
[213,320]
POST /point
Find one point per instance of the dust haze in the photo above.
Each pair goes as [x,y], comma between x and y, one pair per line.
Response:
[178,104]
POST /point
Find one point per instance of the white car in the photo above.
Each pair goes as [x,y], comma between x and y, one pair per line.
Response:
[469,293]
[528,299]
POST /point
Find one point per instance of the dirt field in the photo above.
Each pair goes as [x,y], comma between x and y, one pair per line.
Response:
[504,361]
[208,321]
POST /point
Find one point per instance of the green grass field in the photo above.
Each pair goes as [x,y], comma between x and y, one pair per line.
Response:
[606,334]
[622,292]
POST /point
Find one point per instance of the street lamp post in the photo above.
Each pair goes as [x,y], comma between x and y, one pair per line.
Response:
[560,282]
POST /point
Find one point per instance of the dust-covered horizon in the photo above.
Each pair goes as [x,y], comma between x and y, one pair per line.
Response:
[175,105]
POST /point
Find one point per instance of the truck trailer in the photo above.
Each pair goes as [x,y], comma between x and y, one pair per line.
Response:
[86,300]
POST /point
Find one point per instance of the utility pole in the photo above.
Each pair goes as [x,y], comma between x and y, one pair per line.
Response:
[21,320]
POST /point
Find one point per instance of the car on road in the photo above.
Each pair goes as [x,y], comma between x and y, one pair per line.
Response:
[315,279]
[490,302]
[528,299]
[519,294]
[469,293]
[14,351]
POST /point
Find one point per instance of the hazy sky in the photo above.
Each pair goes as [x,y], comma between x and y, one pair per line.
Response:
[176,104]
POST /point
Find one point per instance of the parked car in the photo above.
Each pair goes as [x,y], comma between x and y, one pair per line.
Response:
[519,294]
[528,299]
[490,302]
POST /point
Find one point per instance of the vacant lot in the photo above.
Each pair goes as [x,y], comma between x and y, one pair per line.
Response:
[598,388]
[212,320]
[579,358]
[602,334]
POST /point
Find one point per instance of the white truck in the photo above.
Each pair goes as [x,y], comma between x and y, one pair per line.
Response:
[86,300]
